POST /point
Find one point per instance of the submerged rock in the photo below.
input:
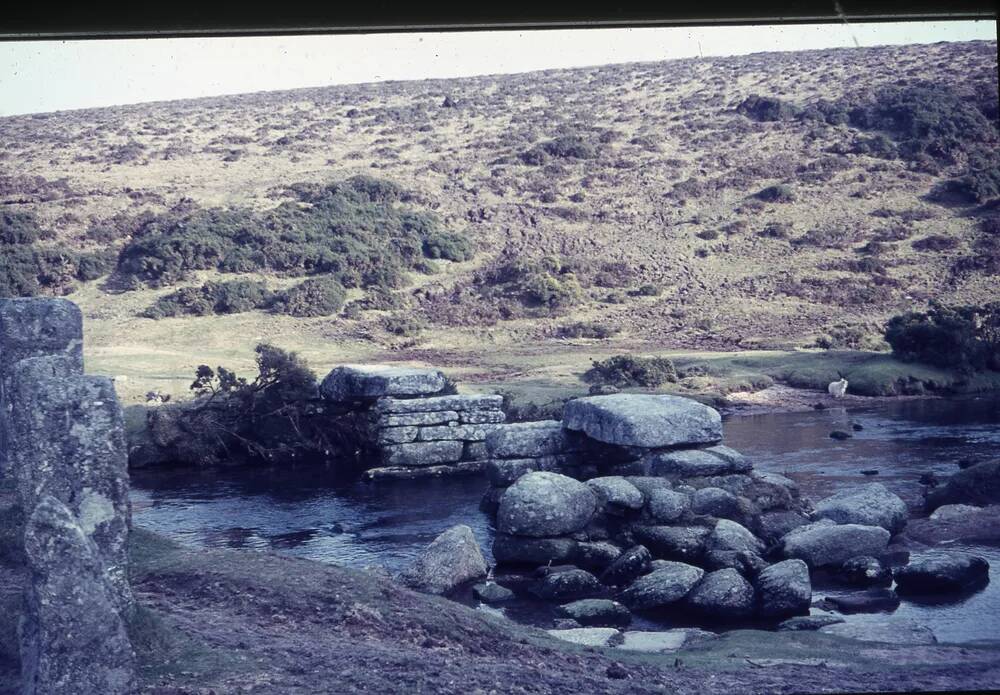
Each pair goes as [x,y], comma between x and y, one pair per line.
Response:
[864,570]
[644,420]
[894,632]
[978,484]
[784,589]
[868,505]
[452,559]
[954,511]
[597,612]
[869,601]
[662,587]
[825,543]
[663,640]
[942,572]
[545,504]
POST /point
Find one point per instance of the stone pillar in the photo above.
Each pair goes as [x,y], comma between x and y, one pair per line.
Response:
[31,327]
[66,440]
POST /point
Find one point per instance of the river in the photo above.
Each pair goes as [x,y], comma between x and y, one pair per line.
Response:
[309,512]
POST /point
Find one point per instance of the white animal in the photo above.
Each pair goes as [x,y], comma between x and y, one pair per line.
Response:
[837,389]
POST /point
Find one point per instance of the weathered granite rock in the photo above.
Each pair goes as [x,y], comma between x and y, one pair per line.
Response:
[397,435]
[864,570]
[481,417]
[452,559]
[545,504]
[694,462]
[978,484]
[714,501]
[646,484]
[425,419]
[629,565]
[667,506]
[73,638]
[889,632]
[663,641]
[868,601]
[528,440]
[662,587]
[731,536]
[784,589]
[597,612]
[942,572]
[723,593]
[615,490]
[466,433]
[674,542]
[824,543]
[596,555]
[509,549]
[588,636]
[503,472]
[746,563]
[868,505]
[948,512]
[357,382]
[422,453]
[491,592]
[569,584]
[774,525]
[36,327]
[67,440]
[459,402]
[475,451]
[644,420]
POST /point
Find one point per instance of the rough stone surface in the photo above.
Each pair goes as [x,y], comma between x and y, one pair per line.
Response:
[824,543]
[868,601]
[646,484]
[731,536]
[629,565]
[978,484]
[545,504]
[808,622]
[452,559]
[889,632]
[954,511]
[422,453]
[458,402]
[942,572]
[663,641]
[528,440]
[644,420]
[674,542]
[491,592]
[466,433]
[415,472]
[596,555]
[784,589]
[397,435]
[667,506]
[868,505]
[662,587]
[354,382]
[714,501]
[694,462]
[587,636]
[436,417]
[67,440]
[481,417]
[723,593]
[775,524]
[864,570]
[615,490]
[503,472]
[570,584]
[532,551]
[73,639]
[597,612]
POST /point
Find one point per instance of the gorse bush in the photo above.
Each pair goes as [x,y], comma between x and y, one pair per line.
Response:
[587,329]
[320,296]
[354,231]
[628,371]
[966,338]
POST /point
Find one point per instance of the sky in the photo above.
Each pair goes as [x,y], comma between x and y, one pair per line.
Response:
[42,76]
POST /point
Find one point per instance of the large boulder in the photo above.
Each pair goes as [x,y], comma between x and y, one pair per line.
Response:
[942,572]
[713,461]
[419,454]
[824,543]
[979,484]
[503,472]
[452,559]
[67,440]
[674,542]
[630,564]
[569,584]
[521,550]
[714,501]
[662,587]
[868,505]
[614,490]
[528,440]
[723,593]
[545,504]
[642,420]
[864,570]
[667,506]
[784,589]
[364,382]
[731,536]
[73,637]
[598,612]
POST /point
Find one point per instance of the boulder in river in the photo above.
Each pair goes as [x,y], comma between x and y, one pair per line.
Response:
[542,504]
[942,572]
[569,584]
[362,382]
[824,543]
[509,549]
[722,593]
[644,420]
[630,564]
[452,559]
[864,570]
[868,601]
[491,592]
[868,505]
[662,587]
[978,484]
[784,589]
[597,612]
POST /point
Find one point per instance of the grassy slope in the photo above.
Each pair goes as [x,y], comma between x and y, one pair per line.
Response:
[721,294]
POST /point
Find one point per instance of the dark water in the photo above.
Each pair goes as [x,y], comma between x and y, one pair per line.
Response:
[308,512]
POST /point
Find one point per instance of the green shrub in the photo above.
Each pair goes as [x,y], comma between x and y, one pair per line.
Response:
[648,290]
[843,336]
[935,242]
[447,245]
[403,324]
[320,296]
[587,329]
[978,186]
[761,108]
[231,297]
[966,338]
[17,228]
[780,193]
[628,371]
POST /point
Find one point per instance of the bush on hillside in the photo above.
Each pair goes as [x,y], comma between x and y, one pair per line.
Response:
[233,297]
[587,329]
[626,371]
[761,108]
[320,296]
[966,338]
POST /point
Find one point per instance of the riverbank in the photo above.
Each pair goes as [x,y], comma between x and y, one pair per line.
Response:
[227,621]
